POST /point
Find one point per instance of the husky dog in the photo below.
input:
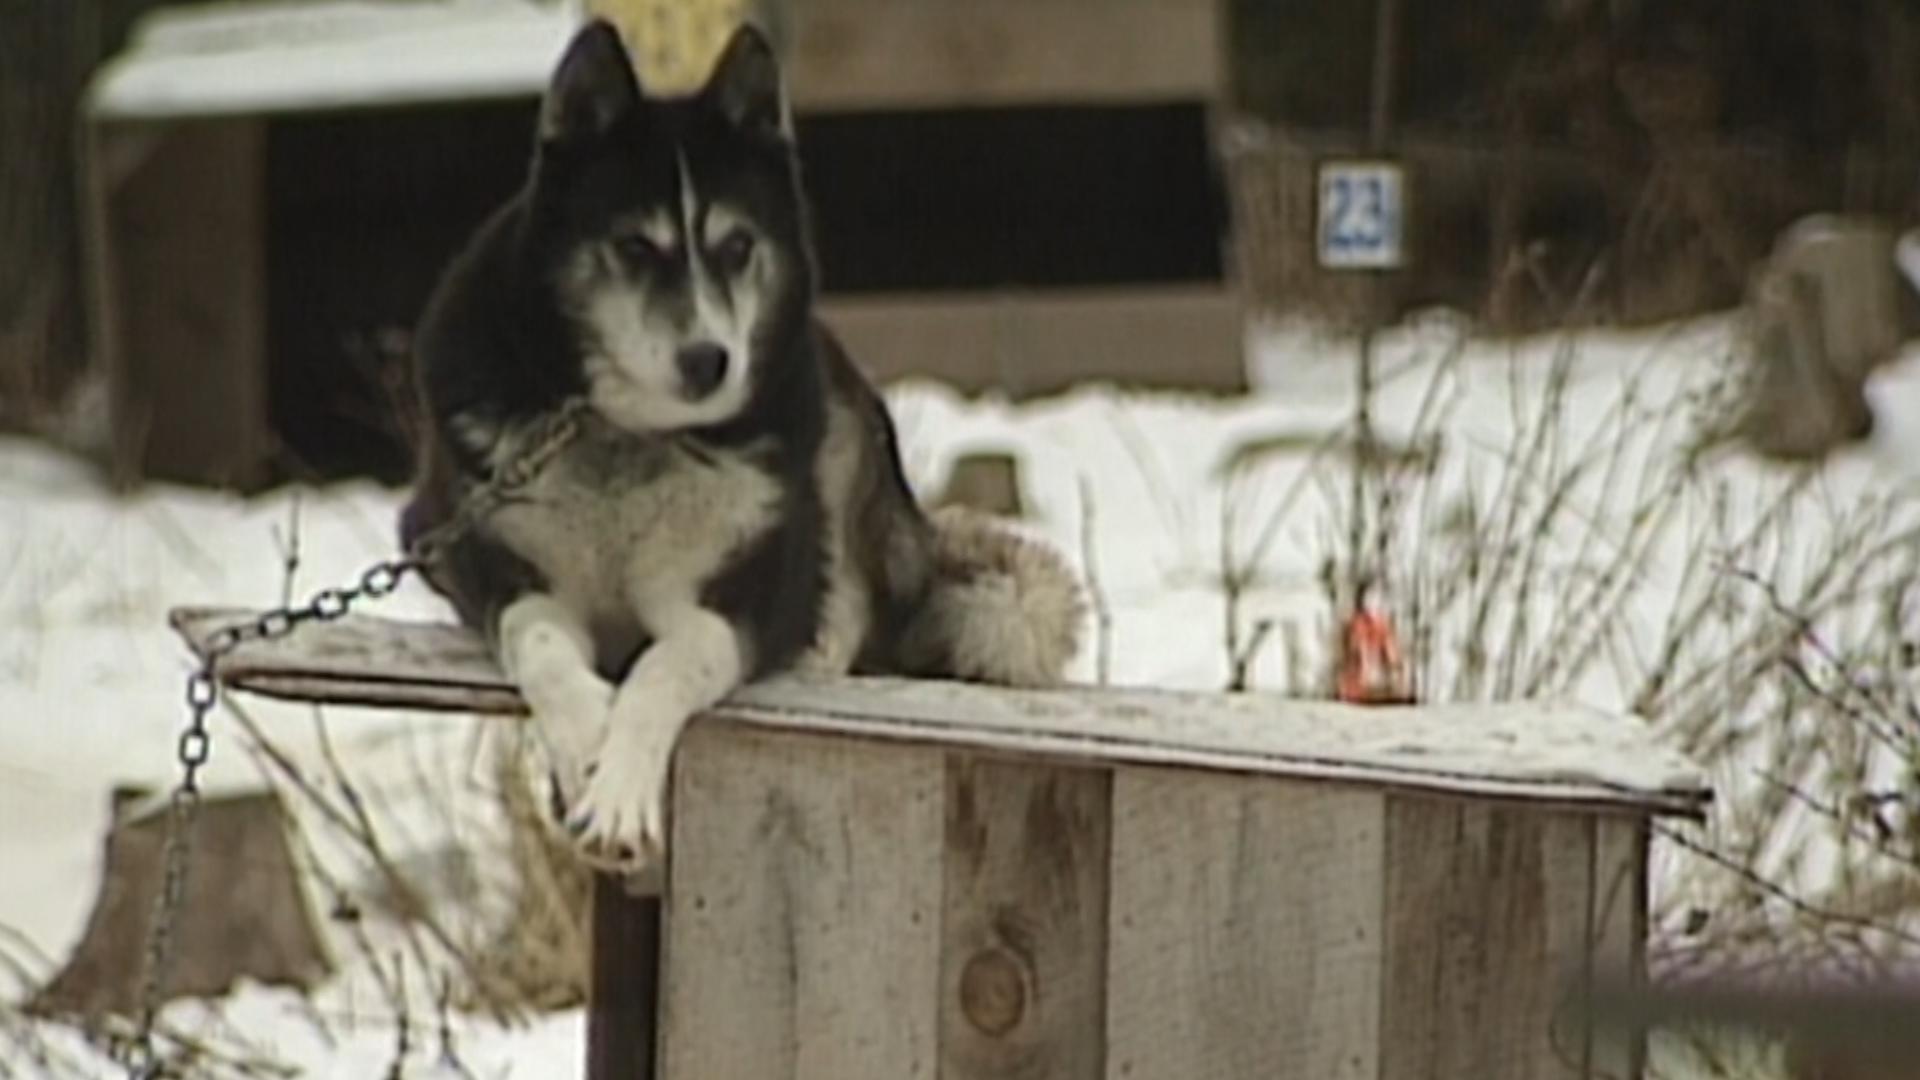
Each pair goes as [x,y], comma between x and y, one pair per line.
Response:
[732,504]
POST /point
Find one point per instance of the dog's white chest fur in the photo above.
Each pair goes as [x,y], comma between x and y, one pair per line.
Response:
[621,524]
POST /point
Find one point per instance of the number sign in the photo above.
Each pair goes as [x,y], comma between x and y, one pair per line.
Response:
[1362,215]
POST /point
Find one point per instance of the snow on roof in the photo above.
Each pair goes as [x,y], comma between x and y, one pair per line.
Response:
[291,55]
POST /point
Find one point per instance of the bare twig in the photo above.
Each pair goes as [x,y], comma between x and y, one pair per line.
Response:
[353,824]
[1745,872]
[1090,566]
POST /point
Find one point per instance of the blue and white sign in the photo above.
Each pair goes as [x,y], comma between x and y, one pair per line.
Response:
[1361,224]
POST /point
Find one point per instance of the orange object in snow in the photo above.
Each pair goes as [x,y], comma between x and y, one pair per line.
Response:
[1372,671]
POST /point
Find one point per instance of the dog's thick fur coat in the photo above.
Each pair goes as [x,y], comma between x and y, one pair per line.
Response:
[733,503]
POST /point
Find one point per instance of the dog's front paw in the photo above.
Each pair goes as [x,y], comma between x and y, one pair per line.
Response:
[569,718]
[620,819]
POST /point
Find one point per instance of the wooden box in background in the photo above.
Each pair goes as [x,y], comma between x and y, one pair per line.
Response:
[1012,195]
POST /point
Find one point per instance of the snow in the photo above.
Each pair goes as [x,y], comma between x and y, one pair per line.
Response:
[225,59]
[91,678]
[1526,749]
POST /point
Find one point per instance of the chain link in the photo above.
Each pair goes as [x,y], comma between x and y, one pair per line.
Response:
[137,1053]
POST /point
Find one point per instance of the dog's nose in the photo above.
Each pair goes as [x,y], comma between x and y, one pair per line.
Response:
[701,369]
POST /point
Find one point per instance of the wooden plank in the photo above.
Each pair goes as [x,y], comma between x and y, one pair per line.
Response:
[183,274]
[1562,1045]
[803,905]
[1246,928]
[1574,757]
[1486,939]
[1030,343]
[1619,931]
[847,54]
[360,660]
[94,184]
[624,1008]
[1024,931]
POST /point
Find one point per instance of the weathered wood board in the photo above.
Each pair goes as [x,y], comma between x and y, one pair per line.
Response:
[974,917]
[1273,966]
[1564,754]
[1023,975]
[798,945]
[1619,927]
[361,660]
[1487,938]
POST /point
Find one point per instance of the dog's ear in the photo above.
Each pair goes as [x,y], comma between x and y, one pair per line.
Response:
[746,87]
[593,89]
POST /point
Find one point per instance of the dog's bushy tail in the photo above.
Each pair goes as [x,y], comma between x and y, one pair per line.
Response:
[999,608]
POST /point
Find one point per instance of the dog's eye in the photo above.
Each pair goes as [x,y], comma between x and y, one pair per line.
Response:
[637,251]
[730,255]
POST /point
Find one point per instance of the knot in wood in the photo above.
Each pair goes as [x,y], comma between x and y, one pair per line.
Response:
[993,991]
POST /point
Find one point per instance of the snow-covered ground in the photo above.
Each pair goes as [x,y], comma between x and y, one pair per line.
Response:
[91,679]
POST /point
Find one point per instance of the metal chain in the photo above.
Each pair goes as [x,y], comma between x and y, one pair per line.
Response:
[137,1053]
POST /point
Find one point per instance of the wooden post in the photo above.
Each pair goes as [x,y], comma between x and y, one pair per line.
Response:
[1290,880]
[46,52]
[625,988]
[181,315]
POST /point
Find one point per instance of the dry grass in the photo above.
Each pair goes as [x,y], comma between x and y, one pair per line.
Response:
[540,953]
[1760,620]
[472,906]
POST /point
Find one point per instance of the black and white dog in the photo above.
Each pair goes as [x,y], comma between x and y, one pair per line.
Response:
[733,504]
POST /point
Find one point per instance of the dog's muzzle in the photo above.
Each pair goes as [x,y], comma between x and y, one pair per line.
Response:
[702,368]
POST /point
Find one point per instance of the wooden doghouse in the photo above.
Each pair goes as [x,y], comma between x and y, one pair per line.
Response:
[1010,194]
[875,878]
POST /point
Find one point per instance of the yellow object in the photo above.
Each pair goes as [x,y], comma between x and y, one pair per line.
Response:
[674,43]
